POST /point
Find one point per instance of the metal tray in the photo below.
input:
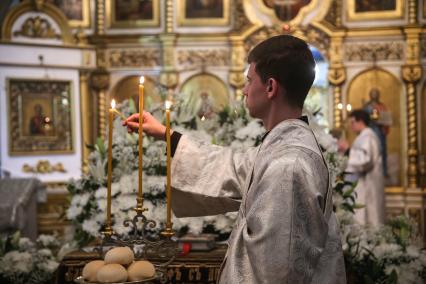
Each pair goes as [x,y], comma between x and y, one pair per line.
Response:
[156,277]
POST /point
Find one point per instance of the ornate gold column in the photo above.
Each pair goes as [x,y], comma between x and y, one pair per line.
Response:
[99,82]
[86,115]
[412,11]
[411,74]
[236,73]
[337,76]
[169,77]
[100,17]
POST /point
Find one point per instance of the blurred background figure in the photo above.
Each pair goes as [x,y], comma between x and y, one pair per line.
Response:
[365,160]
[380,122]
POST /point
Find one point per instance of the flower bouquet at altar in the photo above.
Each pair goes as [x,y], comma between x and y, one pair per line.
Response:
[25,261]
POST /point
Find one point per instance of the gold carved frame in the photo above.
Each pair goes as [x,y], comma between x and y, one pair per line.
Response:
[183,21]
[85,23]
[398,13]
[61,138]
[111,22]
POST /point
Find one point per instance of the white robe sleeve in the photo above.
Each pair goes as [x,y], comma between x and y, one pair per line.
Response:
[361,156]
[208,179]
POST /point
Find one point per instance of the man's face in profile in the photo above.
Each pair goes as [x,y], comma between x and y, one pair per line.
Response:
[255,93]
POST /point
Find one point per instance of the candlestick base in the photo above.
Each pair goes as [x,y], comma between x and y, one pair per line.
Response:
[168,233]
[161,247]
[140,210]
[108,232]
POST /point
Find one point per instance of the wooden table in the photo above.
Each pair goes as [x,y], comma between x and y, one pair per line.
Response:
[195,267]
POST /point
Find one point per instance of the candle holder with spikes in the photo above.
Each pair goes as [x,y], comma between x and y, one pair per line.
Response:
[162,248]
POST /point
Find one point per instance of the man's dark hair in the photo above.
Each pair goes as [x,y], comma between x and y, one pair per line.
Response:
[362,115]
[288,60]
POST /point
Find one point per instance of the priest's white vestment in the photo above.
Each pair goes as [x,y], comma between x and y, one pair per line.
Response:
[365,161]
[286,231]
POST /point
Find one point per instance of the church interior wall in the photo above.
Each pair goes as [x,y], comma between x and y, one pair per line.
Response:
[187,49]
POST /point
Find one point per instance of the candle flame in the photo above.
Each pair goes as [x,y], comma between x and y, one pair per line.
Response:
[348,107]
[203,118]
[113,103]
[340,106]
[141,80]
[168,104]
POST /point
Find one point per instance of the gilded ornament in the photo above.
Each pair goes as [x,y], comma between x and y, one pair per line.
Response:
[37,27]
[334,14]
[38,4]
[236,79]
[374,51]
[101,58]
[80,36]
[169,79]
[238,56]
[211,57]
[44,167]
[260,35]
[317,38]
[147,57]
[336,76]
[241,22]
[99,79]
[411,73]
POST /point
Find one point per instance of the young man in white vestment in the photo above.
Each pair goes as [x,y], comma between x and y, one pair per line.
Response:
[286,231]
[365,161]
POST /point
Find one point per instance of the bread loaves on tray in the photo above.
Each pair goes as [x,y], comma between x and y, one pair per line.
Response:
[120,255]
[140,270]
[113,268]
[110,273]
[91,269]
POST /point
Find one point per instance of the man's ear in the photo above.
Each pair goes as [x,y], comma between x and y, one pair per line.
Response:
[272,87]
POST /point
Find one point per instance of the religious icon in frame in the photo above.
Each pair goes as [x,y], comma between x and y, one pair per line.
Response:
[205,95]
[128,88]
[76,11]
[359,10]
[203,13]
[133,13]
[40,120]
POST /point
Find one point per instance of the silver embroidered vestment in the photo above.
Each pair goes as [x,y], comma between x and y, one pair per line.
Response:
[286,231]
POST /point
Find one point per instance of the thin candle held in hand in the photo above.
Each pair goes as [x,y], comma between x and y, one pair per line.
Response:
[108,229]
[120,114]
[139,199]
[168,181]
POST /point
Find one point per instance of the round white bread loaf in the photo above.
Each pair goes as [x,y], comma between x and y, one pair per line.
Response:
[91,269]
[119,255]
[140,270]
[110,273]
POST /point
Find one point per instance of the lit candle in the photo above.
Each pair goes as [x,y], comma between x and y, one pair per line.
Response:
[169,158]
[108,229]
[141,94]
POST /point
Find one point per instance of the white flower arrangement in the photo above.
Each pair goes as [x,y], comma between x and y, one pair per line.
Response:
[24,261]
[88,202]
